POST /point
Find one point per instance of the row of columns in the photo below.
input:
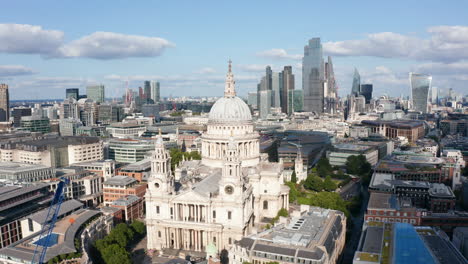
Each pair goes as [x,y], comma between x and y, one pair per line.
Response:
[191,212]
[216,150]
[190,239]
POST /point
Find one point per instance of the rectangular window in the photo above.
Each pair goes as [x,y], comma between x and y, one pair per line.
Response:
[157,209]
[30,224]
[214,214]
[229,215]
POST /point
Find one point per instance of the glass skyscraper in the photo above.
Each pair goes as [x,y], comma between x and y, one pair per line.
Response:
[420,86]
[96,93]
[356,83]
[72,92]
[313,76]
[155,91]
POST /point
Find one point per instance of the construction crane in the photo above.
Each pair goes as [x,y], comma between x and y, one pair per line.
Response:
[49,222]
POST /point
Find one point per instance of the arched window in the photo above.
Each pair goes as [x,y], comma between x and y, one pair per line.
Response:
[265,205]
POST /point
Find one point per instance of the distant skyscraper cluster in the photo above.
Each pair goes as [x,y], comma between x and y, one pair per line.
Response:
[274,91]
[318,80]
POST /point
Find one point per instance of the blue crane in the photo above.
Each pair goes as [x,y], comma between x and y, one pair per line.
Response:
[49,223]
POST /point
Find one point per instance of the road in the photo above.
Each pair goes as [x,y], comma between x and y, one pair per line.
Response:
[353,241]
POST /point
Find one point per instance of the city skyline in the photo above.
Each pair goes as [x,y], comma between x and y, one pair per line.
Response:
[71,54]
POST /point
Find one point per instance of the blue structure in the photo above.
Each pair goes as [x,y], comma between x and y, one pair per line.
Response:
[46,237]
[409,247]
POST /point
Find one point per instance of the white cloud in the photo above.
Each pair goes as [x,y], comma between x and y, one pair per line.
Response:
[278,54]
[28,39]
[15,70]
[253,67]
[31,39]
[109,45]
[446,44]
[442,68]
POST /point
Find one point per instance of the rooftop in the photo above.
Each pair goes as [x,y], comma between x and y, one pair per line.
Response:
[14,167]
[120,181]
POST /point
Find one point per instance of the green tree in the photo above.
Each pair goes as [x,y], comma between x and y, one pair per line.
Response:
[293,192]
[313,183]
[329,200]
[283,212]
[139,227]
[323,167]
[294,176]
[328,184]
[115,254]
[358,165]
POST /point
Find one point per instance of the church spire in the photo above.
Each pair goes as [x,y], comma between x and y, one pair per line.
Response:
[229,89]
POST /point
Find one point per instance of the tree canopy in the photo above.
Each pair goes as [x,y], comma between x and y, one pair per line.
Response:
[177,155]
[323,167]
[328,184]
[313,183]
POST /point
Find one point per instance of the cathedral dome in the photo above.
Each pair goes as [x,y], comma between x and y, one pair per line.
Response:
[230,110]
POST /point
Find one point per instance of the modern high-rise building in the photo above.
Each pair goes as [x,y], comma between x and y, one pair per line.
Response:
[420,86]
[356,83]
[73,93]
[19,112]
[276,87]
[96,93]
[4,103]
[330,91]
[252,100]
[435,95]
[288,85]
[155,91]
[147,91]
[296,100]
[313,76]
[265,103]
[366,91]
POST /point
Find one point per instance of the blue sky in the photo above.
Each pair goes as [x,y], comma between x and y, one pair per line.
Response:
[47,46]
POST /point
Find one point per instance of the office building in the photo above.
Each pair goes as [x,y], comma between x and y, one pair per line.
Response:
[35,124]
[147,91]
[252,100]
[315,236]
[150,110]
[96,93]
[366,91]
[19,112]
[355,89]
[121,186]
[410,129]
[69,109]
[330,88]
[88,111]
[68,127]
[420,86]
[126,130]
[22,172]
[287,89]
[296,101]
[276,88]
[313,76]
[4,103]
[155,91]
[129,150]
[72,93]
[109,113]
[17,201]
[264,103]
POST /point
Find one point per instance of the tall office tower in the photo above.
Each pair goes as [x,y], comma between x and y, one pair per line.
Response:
[265,103]
[155,91]
[330,92]
[435,95]
[252,100]
[312,76]
[4,103]
[96,93]
[288,85]
[356,83]
[296,100]
[366,91]
[420,87]
[88,112]
[141,94]
[276,88]
[73,93]
[265,83]
[147,91]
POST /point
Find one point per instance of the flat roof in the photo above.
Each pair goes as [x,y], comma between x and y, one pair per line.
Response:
[408,247]
[120,180]
[12,167]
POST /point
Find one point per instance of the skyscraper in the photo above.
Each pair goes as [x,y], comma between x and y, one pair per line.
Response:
[330,92]
[72,92]
[4,103]
[313,76]
[96,93]
[366,91]
[276,87]
[420,86]
[155,91]
[265,103]
[288,85]
[356,83]
[435,95]
[147,91]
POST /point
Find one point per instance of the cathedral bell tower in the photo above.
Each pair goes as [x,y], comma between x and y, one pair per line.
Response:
[231,180]
[161,180]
